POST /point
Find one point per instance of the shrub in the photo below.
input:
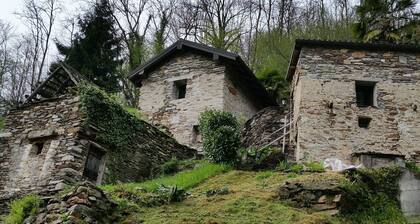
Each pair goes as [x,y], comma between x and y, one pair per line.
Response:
[170,167]
[283,166]
[23,208]
[371,196]
[314,167]
[296,168]
[221,136]
[411,166]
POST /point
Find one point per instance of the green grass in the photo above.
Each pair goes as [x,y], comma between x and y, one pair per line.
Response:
[183,180]
[22,208]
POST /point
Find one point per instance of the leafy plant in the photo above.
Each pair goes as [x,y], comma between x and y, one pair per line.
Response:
[283,165]
[370,196]
[23,208]
[221,136]
[412,166]
[314,167]
[296,168]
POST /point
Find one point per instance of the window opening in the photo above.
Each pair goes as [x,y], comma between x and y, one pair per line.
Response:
[180,88]
[364,122]
[93,163]
[365,93]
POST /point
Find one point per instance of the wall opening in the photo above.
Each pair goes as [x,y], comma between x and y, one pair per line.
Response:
[196,138]
[94,163]
[37,147]
[364,122]
[365,93]
[180,89]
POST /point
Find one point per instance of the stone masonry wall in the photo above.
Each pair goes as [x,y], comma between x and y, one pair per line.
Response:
[59,125]
[325,110]
[207,87]
[55,123]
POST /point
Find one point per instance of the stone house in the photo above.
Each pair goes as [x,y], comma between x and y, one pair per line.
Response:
[52,141]
[186,78]
[357,102]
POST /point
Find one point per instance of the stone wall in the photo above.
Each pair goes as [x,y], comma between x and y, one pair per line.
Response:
[208,86]
[60,124]
[263,128]
[325,110]
[55,123]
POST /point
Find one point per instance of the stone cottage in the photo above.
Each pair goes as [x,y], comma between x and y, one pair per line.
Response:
[358,102]
[186,78]
[53,140]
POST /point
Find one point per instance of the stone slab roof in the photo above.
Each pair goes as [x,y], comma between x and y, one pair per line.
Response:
[56,84]
[246,78]
[299,43]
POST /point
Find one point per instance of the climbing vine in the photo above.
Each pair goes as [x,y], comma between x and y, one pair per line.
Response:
[118,126]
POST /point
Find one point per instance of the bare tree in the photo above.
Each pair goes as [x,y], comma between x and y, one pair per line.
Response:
[184,22]
[163,13]
[40,17]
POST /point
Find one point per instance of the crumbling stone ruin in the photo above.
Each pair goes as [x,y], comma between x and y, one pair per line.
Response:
[59,139]
[185,79]
[355,101]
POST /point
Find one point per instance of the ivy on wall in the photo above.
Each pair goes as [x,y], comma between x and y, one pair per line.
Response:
[118,126]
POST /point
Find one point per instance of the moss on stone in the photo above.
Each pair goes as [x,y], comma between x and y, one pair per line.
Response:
[2,123]
[23,208]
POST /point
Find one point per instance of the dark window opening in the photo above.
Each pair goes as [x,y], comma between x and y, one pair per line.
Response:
[196,135]
[38,147]
[364,122]
[180,88]
[93,163]
[365,93]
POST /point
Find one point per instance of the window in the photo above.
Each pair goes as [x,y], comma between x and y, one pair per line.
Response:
[364,122]
[365,93]
[37,147]
[93,164]
[196,135]
[180,89]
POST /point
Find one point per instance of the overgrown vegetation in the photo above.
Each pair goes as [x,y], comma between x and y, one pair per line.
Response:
[412,166]
[23,208]
[221,136]
[371,196]
[163,190]
[300,167]
[175,165]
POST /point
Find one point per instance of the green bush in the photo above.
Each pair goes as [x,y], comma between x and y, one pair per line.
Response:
[411,166]
[170,167]
[23,208]
[221,136]
[283,166]
[370,196]
[296,168]
[314,167]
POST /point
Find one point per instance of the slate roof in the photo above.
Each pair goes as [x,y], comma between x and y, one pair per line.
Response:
[299,43]
[56,84]
[246,78]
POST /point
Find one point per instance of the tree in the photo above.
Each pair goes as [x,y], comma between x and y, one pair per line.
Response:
[387,20]
[40,17]
[95,51]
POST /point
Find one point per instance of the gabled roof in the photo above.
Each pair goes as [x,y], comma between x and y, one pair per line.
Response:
[246,77]
[299,43]
[56,84]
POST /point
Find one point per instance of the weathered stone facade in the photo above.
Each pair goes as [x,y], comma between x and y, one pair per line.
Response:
[210,83]
[45,146]
[328,120]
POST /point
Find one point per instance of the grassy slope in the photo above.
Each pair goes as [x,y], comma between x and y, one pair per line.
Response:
[251,200]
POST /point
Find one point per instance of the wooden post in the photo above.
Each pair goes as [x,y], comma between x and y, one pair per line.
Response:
[284,133]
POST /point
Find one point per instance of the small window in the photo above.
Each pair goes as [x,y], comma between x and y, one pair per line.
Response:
[38,147]
[196,135]
[180,89]
[364,122]
[365,93]
[93,164]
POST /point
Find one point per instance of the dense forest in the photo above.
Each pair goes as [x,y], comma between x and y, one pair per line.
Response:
[106,39]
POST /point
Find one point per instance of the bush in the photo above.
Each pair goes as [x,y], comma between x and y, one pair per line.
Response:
[175,165]
[221,136]
[371,196]
[23,208]
[314,167]
[170,167]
